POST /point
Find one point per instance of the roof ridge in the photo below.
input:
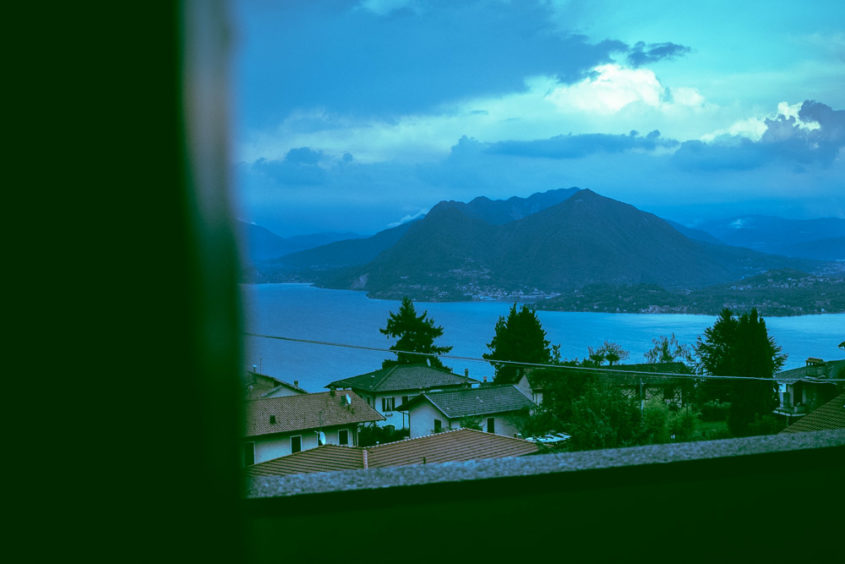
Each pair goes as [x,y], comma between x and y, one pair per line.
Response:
[371,447]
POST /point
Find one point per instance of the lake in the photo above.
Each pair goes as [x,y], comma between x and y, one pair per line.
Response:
[349,317]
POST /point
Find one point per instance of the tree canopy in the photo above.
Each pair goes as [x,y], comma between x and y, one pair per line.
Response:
[520,337]
[667,350]
[415,333]
[740,346]
[610,352]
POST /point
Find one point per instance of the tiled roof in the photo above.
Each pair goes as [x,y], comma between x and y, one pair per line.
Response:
[476,401]
[450,446]
[306,411]
[402,377]
[830,415]
[326,458]
[257,385]
[829,369]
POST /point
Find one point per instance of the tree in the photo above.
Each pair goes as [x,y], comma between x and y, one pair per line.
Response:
[667,349]
[611,352]
[519,337]
[415,334]
[740,347]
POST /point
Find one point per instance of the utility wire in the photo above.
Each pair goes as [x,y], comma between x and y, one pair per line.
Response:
[530,364]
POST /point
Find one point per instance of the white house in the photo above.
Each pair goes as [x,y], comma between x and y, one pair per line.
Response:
[384,390]
[284,425]
[257,385]
[495,409]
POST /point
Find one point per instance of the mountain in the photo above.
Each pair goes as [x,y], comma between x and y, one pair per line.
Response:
[339,254]
[499,212]
[585,239]
[810,238]
[261,244]
[313,262]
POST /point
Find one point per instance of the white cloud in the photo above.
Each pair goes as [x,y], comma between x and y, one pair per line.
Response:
[409,217]
[754,127]
[615,100]
[615,87]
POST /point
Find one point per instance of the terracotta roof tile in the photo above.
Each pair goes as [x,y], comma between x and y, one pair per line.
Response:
[306,411]
[326,458]
[830,415]
[450,446]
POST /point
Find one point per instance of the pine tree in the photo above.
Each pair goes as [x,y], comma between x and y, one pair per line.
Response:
[741,347]
[415,334]
[519,337]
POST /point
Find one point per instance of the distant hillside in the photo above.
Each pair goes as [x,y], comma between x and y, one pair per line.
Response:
[586,239]
[313,264]
[338,254]
[499,212]
[810,238]
[261,244]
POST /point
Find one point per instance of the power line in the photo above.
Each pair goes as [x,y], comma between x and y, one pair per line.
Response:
[528,364]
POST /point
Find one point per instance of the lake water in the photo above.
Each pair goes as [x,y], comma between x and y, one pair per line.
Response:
[344,316]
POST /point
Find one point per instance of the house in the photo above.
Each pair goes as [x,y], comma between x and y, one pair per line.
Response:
[831,415]
[284,425]
[451,446]
[532,386]
[803,389]
[258,385]
[387,388]
[495,409]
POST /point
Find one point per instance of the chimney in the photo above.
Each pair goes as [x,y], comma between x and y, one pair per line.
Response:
[296,383]
[466,372]
[485,379]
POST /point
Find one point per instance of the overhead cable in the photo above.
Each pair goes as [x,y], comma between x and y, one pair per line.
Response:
[603,369]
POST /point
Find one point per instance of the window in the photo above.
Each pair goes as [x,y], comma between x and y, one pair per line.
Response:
[388,404]
[272,419]
[343,437]
[491,425]
[438,425]
[249,454]
[295,444]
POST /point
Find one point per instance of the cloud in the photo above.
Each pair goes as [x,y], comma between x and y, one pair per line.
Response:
[300,167]
[805,134]
[641,54]
[413,58]
[613,87]
[409,217]
[576,146]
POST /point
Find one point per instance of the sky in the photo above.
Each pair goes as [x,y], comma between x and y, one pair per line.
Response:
[356,116]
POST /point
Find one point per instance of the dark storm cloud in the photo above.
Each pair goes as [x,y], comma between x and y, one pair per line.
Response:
[576,146]
[341,59]
[784,141]
[642,54]
[299,168]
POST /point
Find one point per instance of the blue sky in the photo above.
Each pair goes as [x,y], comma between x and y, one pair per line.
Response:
[358,115]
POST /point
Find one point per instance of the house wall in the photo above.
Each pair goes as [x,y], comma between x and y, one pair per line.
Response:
[274,446]
[398,419]
[283,392]
[422,418]
[423,415]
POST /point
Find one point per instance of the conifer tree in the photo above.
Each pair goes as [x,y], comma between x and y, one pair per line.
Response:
[740,347]
[415,333]
[519,337]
